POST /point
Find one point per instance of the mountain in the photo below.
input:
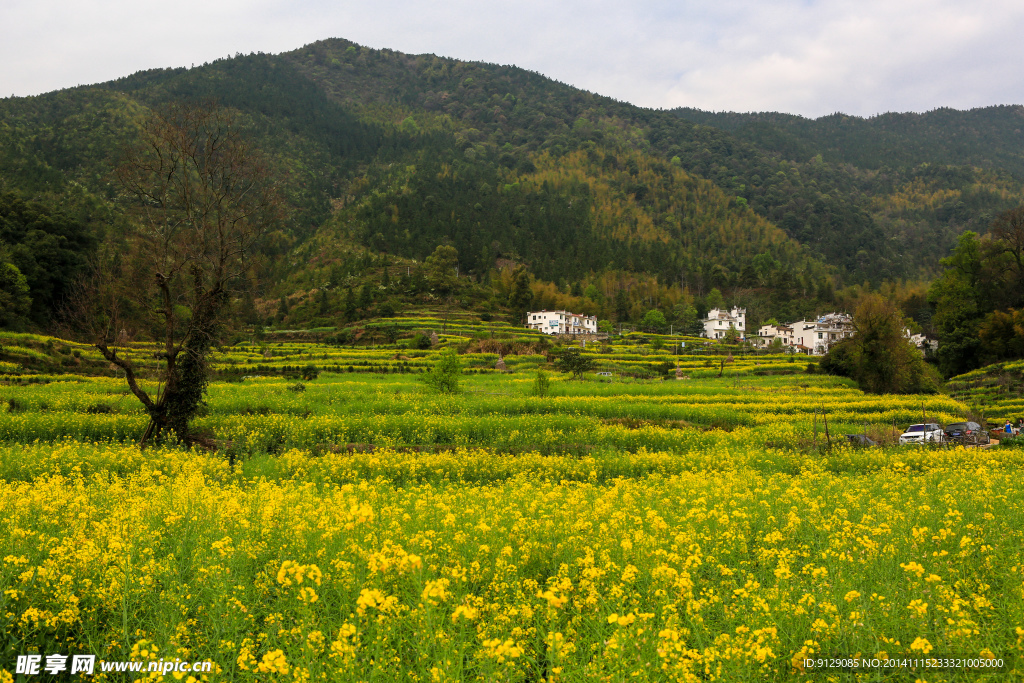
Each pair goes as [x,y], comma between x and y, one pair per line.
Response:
[381,152]
[988,137]
[920,179]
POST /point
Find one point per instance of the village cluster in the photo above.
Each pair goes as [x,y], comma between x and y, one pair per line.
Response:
[811,337]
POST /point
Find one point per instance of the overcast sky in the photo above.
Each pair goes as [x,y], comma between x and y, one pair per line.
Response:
[810,57]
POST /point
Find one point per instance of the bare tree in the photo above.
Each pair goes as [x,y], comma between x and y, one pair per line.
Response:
[201,198]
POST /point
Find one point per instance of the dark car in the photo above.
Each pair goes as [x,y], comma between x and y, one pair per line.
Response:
[859,440]
[966,432]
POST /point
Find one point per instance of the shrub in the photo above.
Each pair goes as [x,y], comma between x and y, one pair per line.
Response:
[444,376]
[663,368]
[654,322]
[341,338]
[572,361]
[541,384]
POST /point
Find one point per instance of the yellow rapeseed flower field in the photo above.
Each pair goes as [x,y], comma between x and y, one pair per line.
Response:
[363,530]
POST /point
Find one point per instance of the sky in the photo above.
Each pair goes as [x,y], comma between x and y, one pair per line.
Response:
[808,57]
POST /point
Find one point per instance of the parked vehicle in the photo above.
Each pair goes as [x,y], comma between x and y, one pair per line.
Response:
[922,433]
[966,432]
[860,440]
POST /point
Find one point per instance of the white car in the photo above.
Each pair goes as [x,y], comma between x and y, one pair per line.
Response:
[930,433]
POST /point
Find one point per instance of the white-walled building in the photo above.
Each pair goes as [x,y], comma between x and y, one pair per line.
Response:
[805,332]
[720,321]
[836,327]
[766,334]
[561,322]
[810,336]
[922,342]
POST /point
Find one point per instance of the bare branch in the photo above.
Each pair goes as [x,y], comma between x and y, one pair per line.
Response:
[129,373]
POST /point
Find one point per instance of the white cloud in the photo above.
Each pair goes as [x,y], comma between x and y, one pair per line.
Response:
[801,56]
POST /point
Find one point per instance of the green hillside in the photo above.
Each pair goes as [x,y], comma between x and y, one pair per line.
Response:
[384,156]
[919,179]
[987,137]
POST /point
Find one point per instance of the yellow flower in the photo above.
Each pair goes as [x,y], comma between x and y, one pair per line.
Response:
[624,620]
[502,650]
[316,640]
[374,599]
[553,600]
[273,662]
[436,591]
[918,606]
[293,572]
[921,645]
[466,612]
[913,568]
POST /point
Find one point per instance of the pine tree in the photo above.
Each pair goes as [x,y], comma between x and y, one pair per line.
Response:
[350,305]
[365,298]
[521,296]
[621,306]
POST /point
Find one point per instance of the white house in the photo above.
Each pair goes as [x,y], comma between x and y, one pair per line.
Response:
[561,322]
[922,342]
[766,334]
[832,328]
[805,334]
[720,321]
[810,336]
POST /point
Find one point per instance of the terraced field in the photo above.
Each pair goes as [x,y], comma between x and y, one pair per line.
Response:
[358,527]
[995,392]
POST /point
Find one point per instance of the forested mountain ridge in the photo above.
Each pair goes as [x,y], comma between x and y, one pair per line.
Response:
[522,113]
[829,204]
[985,137]
[383,152]
[378,174]
[922,178]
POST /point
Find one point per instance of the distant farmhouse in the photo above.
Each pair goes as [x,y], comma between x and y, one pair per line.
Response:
[921,341]
[719,322]
[813,337]
[816,337]
[561,322]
